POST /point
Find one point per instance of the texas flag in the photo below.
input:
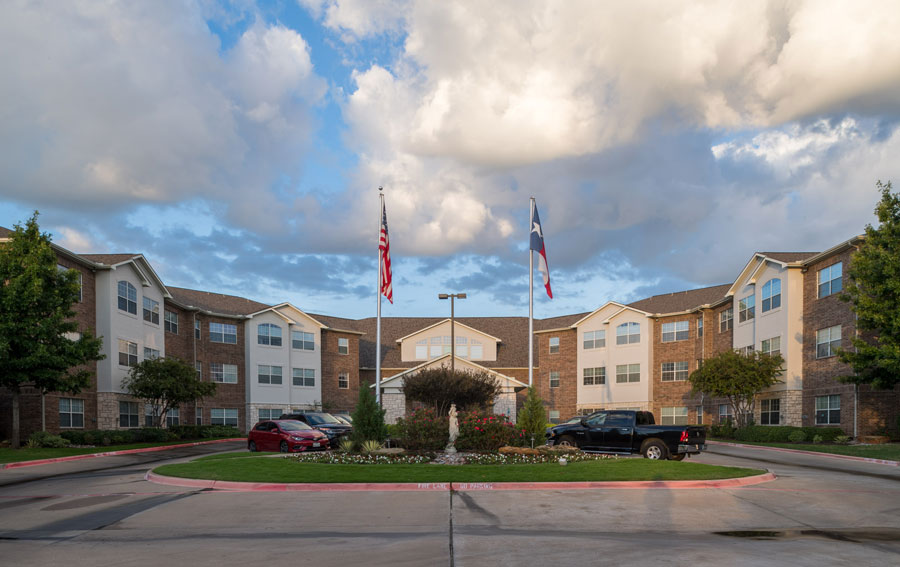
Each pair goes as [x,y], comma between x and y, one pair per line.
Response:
[537,244]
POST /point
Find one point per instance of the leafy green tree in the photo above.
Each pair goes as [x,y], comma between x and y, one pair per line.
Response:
[166,383]
[738,378]
[40,344]
[874,291]
[368,418]
[533,417]
[439,387]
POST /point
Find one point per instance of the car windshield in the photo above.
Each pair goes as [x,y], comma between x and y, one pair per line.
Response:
[293,426]
[320,418]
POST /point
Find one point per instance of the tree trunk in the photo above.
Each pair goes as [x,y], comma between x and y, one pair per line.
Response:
[15,420]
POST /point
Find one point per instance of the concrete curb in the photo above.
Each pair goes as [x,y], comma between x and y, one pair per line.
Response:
[802,452]
[452,486]
[112,453]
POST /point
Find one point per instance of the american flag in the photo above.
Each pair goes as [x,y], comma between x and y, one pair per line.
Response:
[384,247]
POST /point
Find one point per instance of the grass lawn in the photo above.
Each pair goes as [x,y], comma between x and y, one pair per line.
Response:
[256,468]
[888,451]
[18,455]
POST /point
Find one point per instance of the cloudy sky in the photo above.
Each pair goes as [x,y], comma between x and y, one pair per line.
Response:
[239,144]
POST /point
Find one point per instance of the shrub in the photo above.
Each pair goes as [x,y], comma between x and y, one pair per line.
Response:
[533,418]
[73,437]
[842,439]
[46,439]
[817,439]
[346,445]
[370,446]
[782,433]
[797,436]
[424,430]
[725,430]
[439,387]
[479,431]
[368,419]
[149,435]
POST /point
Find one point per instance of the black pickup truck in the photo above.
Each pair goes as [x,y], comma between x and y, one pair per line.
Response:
[622,431]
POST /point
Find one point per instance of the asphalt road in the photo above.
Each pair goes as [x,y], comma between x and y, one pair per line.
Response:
[820,511]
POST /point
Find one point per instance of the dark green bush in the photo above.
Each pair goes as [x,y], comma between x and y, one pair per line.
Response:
[148,434]
[424,430]
[723,430]
[782,433]
[47,439]
[368,419]
[73,437]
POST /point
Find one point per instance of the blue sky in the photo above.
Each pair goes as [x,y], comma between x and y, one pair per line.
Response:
[239,145]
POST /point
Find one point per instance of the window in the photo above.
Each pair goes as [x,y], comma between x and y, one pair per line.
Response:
[827,340]
[462,347]
[675,415]
[127,353]
[151,412]
[270,413]
[700,327]
[128,414]
[268,334]
[150,353]
[830,280]
[771,295]
[725,413]
[343,346]
[439,346]
[770,412]
[628,373]
[223,333]
[223,373]
[422,349]
[595,376]
[151,311]
[197,329]
[219,416]
[71,412]
[304,377]
[343,381]
[678,331]
[726,320]
[554,416]
[554,345]
[199,367]
[302,341]
[745,351]
[199,416]
[771,346]
[127,298]
[674,371]
[699,415]
[476,351]
[747,308]
[269,374]
[594,339]
[828,410]
[628,333]
[554,379]
[171,322]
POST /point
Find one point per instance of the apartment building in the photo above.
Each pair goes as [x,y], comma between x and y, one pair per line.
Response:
[271,359]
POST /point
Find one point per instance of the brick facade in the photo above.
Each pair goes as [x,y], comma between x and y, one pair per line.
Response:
[675,393]
[563,398]
[335,398]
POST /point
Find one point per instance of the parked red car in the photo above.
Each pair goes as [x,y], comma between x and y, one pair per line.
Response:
[287,436]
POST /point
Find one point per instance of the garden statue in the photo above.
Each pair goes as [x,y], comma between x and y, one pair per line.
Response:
[454,429]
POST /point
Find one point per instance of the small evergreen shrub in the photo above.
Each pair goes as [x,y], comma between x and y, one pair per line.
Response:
[533,418]
[817,439]
[368,419]
[797,436]
[46,439]
[424,430]
[725,430]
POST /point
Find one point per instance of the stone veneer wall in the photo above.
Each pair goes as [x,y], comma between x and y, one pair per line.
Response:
[394,406]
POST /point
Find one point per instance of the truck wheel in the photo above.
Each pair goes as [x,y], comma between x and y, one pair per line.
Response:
[566,441]
[655,450]
[677,457]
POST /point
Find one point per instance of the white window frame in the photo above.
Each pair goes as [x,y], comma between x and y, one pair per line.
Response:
[197,329]
[771,295]
[269,374]
[628,373]
[675,371]
[170,322]
[554,345]
[553,379]
[128,349]
[303,377]
[747,309]
[726,412]
[343,380]
[674,415]
[151,353]
[830,339]
[628,333]
[726,320]
[830,280]
[224,333]
[151,310]
[301,340]
[827,405]
[71,410]
[594,339]
[770,411]
[223,416]
[771,346]
[676,331]
[131,415]
[223,373]
[270,413]
[268,334]
[127,296]
[595,376]
[700,327]
[343,346]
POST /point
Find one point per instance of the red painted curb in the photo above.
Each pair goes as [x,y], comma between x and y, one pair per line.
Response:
[452,486]
[815,453]
[112,453]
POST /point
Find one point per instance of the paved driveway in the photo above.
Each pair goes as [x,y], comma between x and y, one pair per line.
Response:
[820,511]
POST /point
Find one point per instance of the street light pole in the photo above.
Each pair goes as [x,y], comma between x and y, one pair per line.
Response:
[452,296]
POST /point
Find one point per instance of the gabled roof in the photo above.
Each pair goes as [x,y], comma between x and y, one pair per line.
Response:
[446,356]
[788,257]
[597,310]
[275,308]
[110,259]
[216,302]
[682,300]
[441,322]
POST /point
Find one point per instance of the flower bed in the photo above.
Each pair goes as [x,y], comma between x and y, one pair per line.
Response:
[425,458]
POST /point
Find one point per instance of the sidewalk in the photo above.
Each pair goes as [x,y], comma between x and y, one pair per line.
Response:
[802,452]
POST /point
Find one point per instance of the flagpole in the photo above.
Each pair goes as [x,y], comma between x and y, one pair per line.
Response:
[530,298]
[378,312]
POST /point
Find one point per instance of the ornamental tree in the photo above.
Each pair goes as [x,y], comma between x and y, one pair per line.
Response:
[874,292]
[368,419]
[738,378]
[440,387]
[41,345]
[166,383]
[533,417]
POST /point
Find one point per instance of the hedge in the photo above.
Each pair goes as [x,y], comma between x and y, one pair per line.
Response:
[782,433]
[148,434]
